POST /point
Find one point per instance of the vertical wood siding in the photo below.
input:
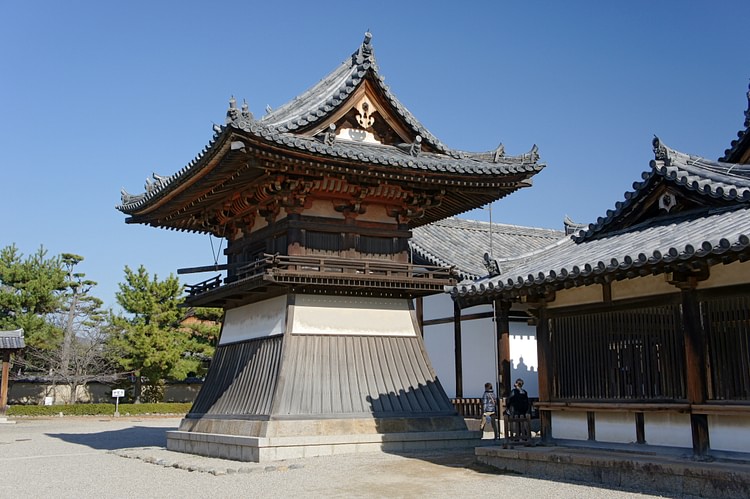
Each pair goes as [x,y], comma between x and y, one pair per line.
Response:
[727,322]
[635,354]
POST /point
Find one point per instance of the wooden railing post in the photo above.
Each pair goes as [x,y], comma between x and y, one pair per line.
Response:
[457,349]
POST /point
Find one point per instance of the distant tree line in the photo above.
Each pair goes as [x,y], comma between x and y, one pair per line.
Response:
[72,340]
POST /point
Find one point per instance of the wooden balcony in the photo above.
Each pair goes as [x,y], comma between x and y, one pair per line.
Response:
[321,274]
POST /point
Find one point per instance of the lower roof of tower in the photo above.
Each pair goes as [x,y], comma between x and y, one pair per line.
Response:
[254,158]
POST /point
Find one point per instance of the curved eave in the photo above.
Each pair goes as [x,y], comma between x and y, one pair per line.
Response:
[162,191]
[716,180]
[715,238]
[468,183]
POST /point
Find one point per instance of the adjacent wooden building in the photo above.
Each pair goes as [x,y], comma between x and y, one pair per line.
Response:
[320,350]
[643,319]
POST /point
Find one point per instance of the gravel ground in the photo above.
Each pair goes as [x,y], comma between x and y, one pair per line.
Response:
[126,458]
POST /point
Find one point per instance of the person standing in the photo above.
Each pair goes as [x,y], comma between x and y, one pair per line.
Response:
[518,402]
[489,409]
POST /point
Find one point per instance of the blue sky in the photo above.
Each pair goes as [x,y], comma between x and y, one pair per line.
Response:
[95,96]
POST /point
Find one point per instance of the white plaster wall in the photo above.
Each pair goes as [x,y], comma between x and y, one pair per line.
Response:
[256,320]
[729,433]
[478,348]
[350,315]
[438,341]
[668,429]
[478,354]
[570,425]
[437,307]
[615,427]
[523,357]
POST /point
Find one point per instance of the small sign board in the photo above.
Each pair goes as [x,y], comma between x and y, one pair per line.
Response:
[118,393]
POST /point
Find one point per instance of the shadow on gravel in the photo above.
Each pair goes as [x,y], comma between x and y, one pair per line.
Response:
[453,458]
[136,436]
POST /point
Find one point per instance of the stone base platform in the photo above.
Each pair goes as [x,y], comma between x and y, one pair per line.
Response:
[673,474]
[265,449]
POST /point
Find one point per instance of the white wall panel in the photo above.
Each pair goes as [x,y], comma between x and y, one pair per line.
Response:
[438,341]
[615,427]
[570,425]
[350,315]
[668,429]
[729,433]
[256,320]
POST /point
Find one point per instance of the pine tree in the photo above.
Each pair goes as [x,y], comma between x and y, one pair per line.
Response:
[30,290]
[150,340]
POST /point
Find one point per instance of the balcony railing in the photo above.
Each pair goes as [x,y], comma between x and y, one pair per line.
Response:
[333,271]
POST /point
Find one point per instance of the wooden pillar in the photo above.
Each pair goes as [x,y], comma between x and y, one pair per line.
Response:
[4,384]
[420,314]
[457,350]
[544,370]
[695,365]
[502,336]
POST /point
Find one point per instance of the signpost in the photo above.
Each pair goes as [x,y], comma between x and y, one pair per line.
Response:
[117,394]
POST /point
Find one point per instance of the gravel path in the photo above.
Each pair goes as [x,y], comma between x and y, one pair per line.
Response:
[126,458]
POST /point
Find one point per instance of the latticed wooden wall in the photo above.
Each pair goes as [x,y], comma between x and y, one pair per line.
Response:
[634,354]
[637,352]
[727,323]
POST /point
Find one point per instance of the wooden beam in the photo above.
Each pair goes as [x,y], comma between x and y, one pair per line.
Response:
[544,370]
[591,423]
[695,365]
[4,384]
[420,314]
[640,428]
[502,336]
[457,350]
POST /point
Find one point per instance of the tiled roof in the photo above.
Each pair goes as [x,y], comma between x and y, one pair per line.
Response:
[730,182]
[651,247]
[317,102]
[12,340]
[462,243]
[282,128]
[742,143]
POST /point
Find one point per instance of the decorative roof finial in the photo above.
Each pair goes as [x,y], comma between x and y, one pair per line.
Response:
[493,269]
[246,110]
[416,146]
[499,153]
[330,135]
[234,114]
[660,151]
[365,51]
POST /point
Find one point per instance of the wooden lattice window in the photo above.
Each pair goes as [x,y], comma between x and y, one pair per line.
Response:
[327,241]
[375,245]
[727,322]
[631,354]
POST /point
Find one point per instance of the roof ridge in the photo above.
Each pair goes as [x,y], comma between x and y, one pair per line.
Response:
[703,176]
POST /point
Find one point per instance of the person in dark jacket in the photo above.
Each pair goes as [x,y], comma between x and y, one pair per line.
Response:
[518,401]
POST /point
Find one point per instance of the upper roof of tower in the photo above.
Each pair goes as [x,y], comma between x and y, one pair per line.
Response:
[347,126]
